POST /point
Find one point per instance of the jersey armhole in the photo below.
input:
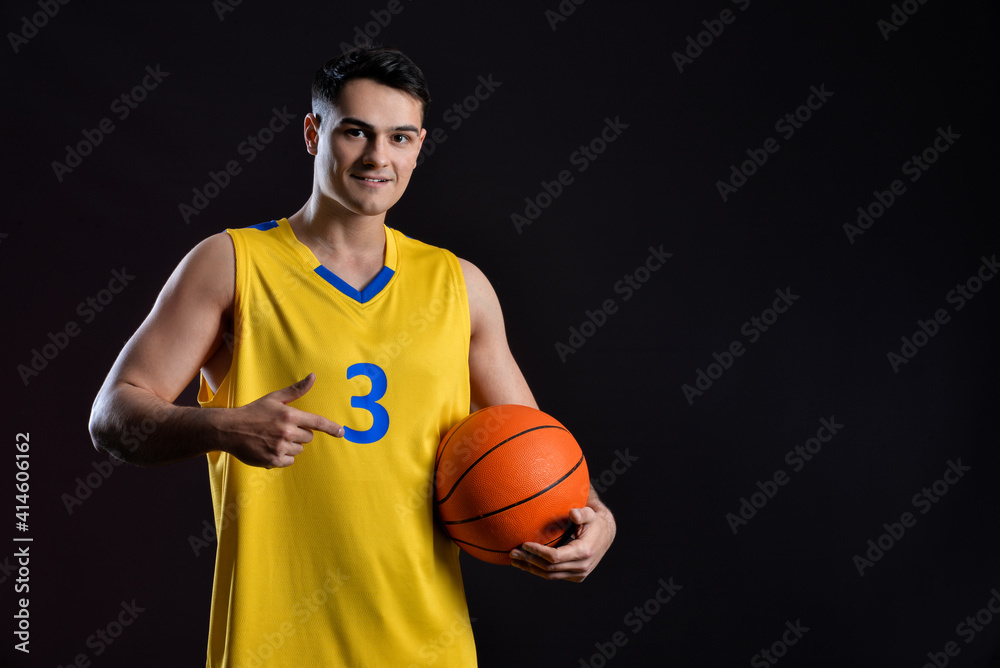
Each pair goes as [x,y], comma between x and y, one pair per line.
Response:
[462,293]
[206,396]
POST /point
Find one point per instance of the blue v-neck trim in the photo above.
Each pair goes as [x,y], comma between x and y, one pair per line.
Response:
[362,296]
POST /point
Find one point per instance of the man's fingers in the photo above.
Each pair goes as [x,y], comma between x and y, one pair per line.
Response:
[320,423]
[570,562]
[526,551]
[575,560]
[304,419]
[295,390]
[297,437]
[309,423]
[551,566]
[276,431]
[541,555]
[281,462]
[549,573]
[293,437]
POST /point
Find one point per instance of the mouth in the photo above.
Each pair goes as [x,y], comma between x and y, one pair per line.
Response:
[370,180]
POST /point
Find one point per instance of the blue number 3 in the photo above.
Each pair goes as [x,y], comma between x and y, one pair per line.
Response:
[369,402]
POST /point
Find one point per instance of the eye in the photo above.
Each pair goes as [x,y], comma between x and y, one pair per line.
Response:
[354,132]
[401,139]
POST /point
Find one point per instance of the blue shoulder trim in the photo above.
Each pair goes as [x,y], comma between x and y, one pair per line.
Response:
[263,226]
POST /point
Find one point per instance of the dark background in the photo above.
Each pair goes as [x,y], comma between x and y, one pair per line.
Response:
[691,463]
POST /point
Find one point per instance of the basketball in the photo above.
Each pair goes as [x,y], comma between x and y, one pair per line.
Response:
[507,475]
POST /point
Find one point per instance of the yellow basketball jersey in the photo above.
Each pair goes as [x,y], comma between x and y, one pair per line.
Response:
[337,560]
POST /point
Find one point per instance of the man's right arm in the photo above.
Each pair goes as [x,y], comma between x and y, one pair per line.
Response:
[181,334]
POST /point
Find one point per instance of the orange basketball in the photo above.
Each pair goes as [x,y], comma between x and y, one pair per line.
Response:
[507,475]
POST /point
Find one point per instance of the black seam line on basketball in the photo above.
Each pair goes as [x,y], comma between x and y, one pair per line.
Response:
[556,539]
[486,549]
[513,505]
[443,448]
[483,456]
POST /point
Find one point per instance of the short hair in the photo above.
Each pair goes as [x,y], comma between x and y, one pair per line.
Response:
[385,65]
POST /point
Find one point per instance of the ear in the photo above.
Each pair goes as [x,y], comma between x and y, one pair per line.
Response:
[310,132]
[420,143]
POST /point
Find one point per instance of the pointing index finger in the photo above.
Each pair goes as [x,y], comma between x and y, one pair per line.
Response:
[320,423]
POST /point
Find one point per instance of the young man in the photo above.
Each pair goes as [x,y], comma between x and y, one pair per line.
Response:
[328,553]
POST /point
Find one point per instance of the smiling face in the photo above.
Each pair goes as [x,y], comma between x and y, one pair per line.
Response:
[366,147]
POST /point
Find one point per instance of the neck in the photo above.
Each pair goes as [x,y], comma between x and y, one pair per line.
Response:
[329,228]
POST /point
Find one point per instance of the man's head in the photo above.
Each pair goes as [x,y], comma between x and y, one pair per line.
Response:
[386,66]
[365,129]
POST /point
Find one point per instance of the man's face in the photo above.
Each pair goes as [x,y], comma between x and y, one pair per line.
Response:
[367,146]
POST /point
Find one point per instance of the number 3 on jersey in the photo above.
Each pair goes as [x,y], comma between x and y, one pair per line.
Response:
[369,402]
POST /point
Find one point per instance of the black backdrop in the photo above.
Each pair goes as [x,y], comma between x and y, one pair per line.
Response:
[730,541]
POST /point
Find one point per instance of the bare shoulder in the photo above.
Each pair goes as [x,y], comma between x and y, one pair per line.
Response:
[474,276]
[220,244]
[213,255]
[208,270]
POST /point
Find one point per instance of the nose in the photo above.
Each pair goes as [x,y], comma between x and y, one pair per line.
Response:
[376,152]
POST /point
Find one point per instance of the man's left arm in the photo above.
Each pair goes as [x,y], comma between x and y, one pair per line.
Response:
[496,379]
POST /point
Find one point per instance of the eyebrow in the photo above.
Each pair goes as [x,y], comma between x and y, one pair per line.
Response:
[368,126]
